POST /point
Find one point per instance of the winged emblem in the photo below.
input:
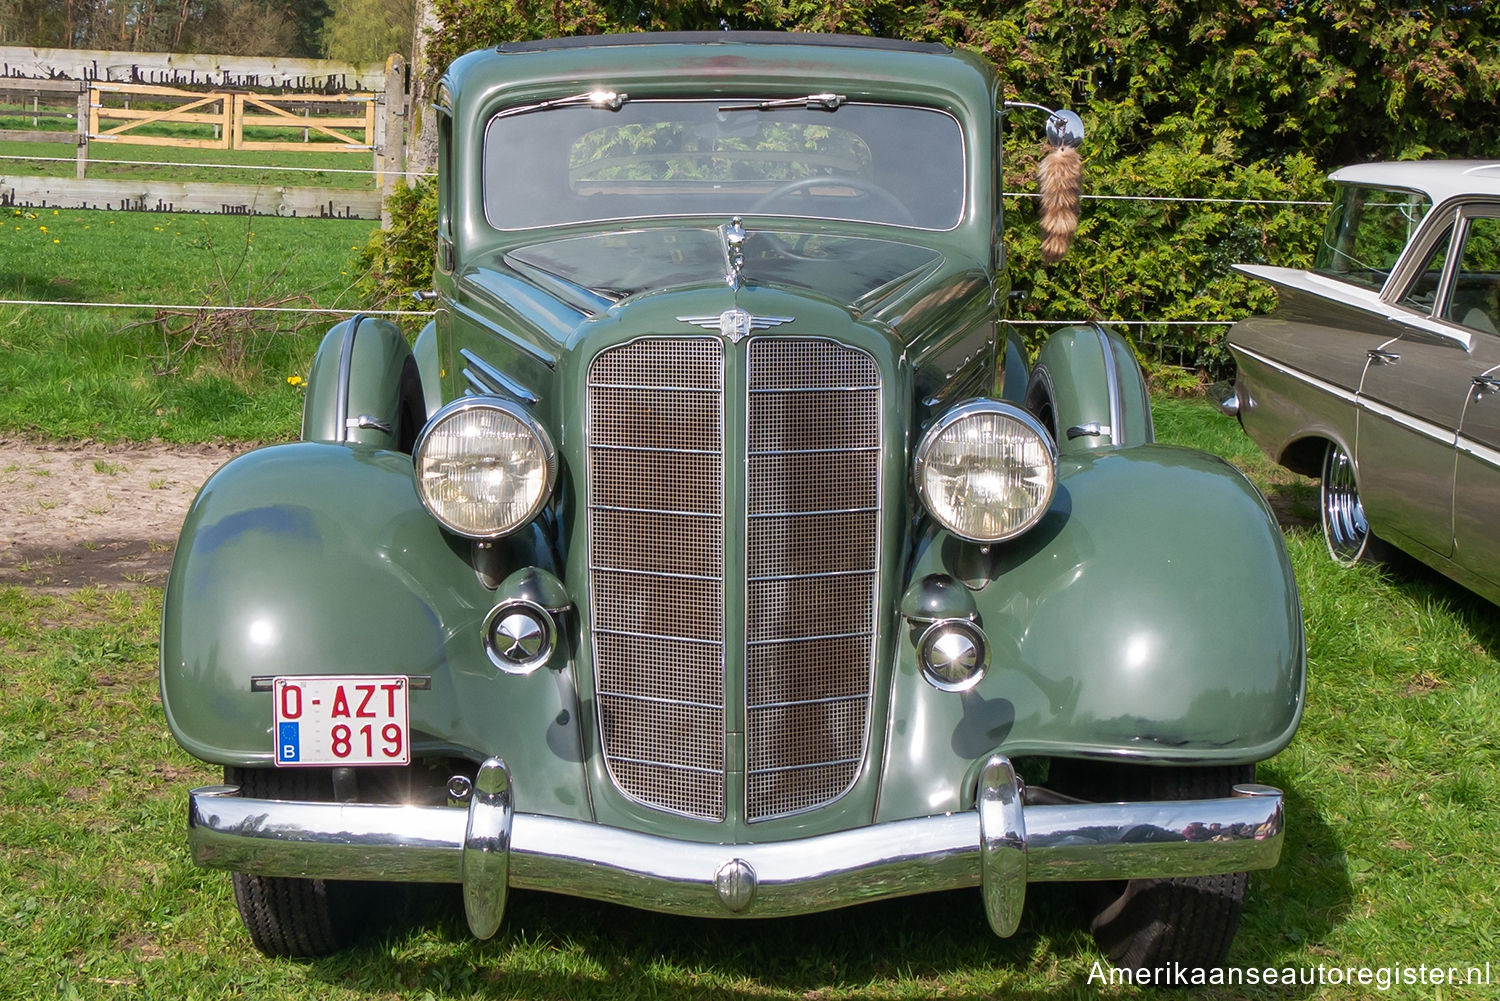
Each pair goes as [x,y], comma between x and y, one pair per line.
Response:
[736,323]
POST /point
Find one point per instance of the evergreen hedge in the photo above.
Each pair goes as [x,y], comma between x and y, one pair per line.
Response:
[1233,100]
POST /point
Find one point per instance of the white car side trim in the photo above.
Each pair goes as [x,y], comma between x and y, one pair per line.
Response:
[1425,428]
[1297,373]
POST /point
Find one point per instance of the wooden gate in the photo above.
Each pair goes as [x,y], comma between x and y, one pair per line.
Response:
[319,114]
[218,119]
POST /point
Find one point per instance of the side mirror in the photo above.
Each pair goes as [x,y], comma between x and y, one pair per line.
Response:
[1065,128]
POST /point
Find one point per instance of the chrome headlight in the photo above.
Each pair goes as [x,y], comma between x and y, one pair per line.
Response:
[484,467]
[986,470]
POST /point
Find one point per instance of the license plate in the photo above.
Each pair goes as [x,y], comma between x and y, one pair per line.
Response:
[341,720]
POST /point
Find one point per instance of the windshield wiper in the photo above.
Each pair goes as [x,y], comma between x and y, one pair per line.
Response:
[606,99]
[813,102]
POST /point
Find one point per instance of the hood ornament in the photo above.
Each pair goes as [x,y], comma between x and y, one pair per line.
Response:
[734,252]
[735,324]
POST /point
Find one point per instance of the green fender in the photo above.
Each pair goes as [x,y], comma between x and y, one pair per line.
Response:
[364,387]
[1087,387]
[310,558]
[1151,615]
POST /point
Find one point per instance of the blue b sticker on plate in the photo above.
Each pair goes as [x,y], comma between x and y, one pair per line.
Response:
[288,742]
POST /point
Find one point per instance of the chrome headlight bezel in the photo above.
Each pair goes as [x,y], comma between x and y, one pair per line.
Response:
[546,459]
[984,409]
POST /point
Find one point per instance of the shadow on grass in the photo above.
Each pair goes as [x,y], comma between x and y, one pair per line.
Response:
[561,947]
[17,285]
[1296,906]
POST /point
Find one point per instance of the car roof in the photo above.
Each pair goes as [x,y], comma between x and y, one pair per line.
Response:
[1438,179]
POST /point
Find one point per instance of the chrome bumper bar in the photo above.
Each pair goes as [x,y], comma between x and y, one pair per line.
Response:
[1000,846]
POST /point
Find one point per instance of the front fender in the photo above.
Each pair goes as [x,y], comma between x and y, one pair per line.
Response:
[320,559]
[1151,615]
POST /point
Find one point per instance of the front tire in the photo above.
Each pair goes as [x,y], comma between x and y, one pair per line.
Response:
[1165,926]
[289,916]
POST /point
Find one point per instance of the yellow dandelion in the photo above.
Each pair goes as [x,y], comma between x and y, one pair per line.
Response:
[295,380]
[42,228]
[57,241]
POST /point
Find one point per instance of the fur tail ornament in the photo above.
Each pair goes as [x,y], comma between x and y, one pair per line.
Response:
[1060,180]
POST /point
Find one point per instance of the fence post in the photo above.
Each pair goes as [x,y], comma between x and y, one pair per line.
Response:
[83,127]
[390,140]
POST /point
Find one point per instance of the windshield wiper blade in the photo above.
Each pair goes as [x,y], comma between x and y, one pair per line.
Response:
[812,102]
[608,100]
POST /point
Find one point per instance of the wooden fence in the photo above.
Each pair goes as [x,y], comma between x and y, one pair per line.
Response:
[222,118]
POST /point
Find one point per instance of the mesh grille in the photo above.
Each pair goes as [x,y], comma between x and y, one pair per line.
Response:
[656,556]
[656,561]
[813,495]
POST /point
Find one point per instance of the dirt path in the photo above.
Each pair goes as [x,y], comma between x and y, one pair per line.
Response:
[74,515]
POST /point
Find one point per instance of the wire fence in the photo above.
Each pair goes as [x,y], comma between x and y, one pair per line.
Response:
[1163,350]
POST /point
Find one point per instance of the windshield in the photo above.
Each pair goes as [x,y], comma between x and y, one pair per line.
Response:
[573,163]
[1367,230]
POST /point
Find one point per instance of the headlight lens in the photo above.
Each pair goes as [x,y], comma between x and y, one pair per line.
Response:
[986,470]
[484,467]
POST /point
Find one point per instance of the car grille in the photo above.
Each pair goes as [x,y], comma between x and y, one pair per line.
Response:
[657,565]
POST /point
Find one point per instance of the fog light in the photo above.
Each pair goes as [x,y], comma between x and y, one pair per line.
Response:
[953,654]
[519,636]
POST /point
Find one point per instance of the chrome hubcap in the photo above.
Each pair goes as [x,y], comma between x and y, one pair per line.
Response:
[1344,525]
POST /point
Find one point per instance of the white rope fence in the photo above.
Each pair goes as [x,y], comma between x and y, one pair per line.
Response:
[339,311]
[414,174]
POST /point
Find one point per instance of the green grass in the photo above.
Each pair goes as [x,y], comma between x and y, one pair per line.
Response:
[48,159]
[112,374]
[1390,856]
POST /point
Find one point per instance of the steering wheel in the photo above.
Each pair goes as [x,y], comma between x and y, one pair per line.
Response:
[869,189]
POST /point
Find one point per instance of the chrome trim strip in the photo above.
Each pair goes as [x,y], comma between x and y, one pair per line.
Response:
[671,766]
[487,379]
[1346,395]
[809,514]
[803,766]
[1035,843]
[1401,418]
[1116,428]
[341,391]
[811,576]
[827,700]
[818,389]
[808,639]
[655,636]
[1474,449]
[653,389]
[652,448]
[656,510]
[658,574]
[657,700]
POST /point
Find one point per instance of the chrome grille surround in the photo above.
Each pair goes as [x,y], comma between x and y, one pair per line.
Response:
[656,568]
[813,488]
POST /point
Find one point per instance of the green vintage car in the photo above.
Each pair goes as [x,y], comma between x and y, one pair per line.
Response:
[715,550]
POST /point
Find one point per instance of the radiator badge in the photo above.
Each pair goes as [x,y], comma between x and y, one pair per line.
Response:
[736,323]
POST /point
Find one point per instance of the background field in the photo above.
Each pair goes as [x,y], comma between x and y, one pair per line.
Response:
[1390,855]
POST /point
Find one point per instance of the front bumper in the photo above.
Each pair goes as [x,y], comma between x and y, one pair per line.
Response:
[1000,847]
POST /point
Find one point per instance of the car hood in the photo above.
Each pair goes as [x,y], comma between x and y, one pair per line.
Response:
[614,266]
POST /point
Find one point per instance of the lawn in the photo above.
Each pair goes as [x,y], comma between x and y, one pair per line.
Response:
[174,374]
[1391,782]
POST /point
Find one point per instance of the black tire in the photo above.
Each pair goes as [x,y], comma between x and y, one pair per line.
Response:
[288,916]
[1342,513]
[1167,926]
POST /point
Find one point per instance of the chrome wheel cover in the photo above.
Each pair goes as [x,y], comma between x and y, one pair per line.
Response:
[1344,526]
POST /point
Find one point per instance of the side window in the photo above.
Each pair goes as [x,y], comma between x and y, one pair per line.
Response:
[1475,302]
[1422,294]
